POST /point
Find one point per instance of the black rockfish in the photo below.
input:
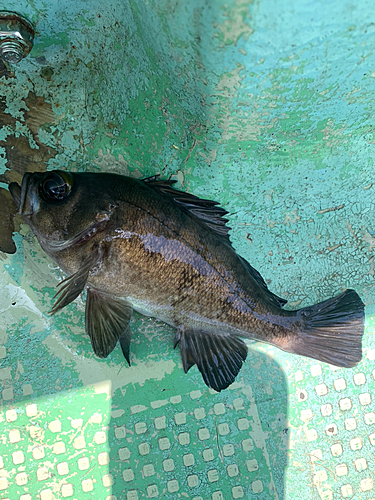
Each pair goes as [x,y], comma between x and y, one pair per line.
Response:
[142,244]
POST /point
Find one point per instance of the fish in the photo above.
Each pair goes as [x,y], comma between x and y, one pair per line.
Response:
[141,244]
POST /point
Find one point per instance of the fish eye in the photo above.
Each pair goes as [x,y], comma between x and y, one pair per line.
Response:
[56,186]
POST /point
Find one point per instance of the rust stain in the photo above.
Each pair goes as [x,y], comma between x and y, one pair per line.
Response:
[8,210]
[21,157]
[5,70]
[332,248]
[332,209]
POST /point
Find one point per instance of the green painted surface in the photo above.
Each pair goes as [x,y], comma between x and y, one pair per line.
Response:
[266,107]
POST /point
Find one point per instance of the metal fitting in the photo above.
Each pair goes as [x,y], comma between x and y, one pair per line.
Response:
[16,37]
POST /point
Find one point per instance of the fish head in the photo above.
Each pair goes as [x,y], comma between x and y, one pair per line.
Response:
[63,209]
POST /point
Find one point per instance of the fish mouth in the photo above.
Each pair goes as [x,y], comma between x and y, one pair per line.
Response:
[24,198]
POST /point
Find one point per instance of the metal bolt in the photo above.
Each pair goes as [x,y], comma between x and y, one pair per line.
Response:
[16,37]
[11,52]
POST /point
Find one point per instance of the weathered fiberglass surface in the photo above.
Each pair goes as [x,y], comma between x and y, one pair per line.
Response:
[264,106]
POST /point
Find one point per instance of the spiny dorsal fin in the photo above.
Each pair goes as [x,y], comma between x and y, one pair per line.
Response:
[207,211]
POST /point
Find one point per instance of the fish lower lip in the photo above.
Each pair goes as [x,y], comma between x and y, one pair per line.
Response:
[15,192]
[24,188]
[19,194]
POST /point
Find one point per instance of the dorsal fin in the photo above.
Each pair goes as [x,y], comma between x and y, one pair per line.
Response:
[207,211]
[212,216]
[275,299]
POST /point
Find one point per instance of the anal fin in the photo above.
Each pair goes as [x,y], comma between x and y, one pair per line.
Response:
[219,358]
[107,321]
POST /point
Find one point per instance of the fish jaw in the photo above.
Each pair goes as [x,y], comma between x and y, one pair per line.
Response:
[15,192]
[26,196]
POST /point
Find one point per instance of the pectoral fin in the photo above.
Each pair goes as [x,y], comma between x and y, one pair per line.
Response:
[74,284]
[219,358]
[107,321]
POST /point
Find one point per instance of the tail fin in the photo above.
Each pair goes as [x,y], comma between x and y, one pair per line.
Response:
[331,331]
